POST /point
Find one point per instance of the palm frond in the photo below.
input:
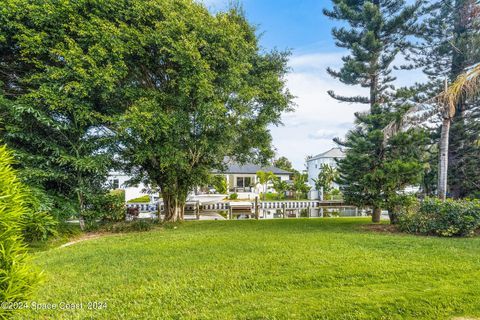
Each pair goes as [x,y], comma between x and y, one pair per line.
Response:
[467,85]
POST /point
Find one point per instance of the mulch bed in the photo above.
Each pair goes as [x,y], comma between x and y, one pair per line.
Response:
[381,228]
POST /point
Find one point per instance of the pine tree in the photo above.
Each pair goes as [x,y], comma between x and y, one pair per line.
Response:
[450,35]
[377,34]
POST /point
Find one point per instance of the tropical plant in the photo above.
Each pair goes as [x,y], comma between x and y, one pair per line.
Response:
[467,85]
[325,179]
[39,226]
[299,185]
[219,182]
[280,186]
[264,178]
[17,278]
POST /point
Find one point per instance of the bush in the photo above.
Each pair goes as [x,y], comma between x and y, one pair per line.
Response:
[61,208]
[474,195]
[401,205]
[105,207]
[270,196]
[17,278]
[142,199]
[233,196]
[39,226]
[130,226]
[219,182]
[446,219]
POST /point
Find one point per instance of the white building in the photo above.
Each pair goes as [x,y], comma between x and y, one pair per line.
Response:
[241,179]
[314,165]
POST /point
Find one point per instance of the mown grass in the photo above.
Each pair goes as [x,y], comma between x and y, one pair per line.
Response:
[274,269]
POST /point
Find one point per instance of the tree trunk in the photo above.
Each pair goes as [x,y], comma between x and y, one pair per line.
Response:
[377,212]
[81,207]
[443,164]
[159,207]
[393,217]
[173,208]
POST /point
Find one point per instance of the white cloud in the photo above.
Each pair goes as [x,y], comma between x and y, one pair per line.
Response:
[319,118]
[324,134]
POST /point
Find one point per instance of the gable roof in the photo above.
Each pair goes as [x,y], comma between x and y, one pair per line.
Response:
[332,153]
[250,168]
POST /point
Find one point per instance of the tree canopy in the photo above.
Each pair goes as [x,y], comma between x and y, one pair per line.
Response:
[61,64]
[199,89]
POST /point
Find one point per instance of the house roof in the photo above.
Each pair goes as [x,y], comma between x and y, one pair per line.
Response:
[250,168]
[332,153]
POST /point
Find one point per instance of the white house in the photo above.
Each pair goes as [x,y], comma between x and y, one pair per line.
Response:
[314,165]
[117,180]
[241,179]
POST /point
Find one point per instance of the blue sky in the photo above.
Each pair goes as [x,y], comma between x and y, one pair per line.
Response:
[299,25]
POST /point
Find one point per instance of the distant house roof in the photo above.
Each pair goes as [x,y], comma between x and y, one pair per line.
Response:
[332,153]
[250,168]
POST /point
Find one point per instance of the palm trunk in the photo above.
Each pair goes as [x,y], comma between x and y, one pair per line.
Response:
[443,164]
[377,212]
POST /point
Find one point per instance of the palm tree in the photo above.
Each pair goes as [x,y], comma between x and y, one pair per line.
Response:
[280,187]
[326,177]
[300,185]
[467,85]
[264,178]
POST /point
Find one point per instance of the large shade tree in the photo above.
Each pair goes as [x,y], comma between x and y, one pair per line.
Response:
[199,90]
[60,66]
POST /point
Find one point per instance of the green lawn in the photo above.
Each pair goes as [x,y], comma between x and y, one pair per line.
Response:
[275,269]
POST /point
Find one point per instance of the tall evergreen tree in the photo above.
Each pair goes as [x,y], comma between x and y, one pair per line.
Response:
[450,43]
[377,33]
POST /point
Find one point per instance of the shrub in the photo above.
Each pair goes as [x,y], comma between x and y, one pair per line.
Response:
[142,199]
[223,213]
[474,195]
[17,278]
[39,226]
[61,208]
[233,196]
[446,219]
[130,226]
[270,196]
[401,205]
[105,207]
[219,182]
